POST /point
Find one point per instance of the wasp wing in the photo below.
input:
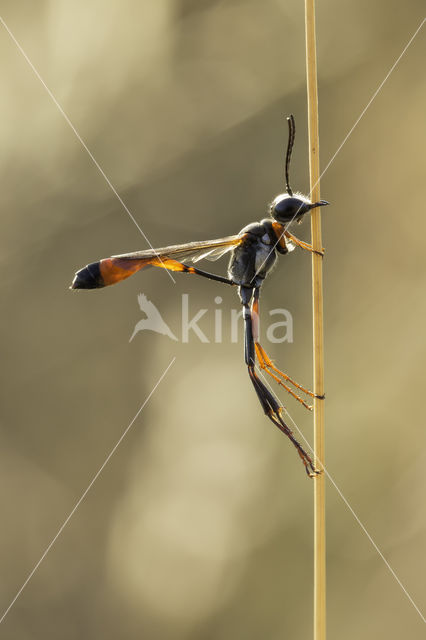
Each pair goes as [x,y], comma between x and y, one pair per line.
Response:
[210,249]
[112,270]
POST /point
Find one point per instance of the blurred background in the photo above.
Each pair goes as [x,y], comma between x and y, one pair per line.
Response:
[200,526]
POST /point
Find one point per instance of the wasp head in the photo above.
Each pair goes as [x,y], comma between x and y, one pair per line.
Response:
[286,208]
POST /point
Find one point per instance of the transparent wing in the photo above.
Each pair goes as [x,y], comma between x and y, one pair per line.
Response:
[195,251]
[213,254]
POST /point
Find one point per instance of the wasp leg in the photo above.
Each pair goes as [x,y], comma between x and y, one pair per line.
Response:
[268,366]
[174,265]
[301,244]
[269,402]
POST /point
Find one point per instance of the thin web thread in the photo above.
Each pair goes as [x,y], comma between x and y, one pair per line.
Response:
[171,363]
[349,507]
[84,494]
[84,145]
[286,226]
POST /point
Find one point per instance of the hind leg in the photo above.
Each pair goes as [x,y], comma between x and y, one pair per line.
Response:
[268,366]
[270,404]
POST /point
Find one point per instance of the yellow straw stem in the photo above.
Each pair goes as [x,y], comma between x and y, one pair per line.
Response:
[318,337]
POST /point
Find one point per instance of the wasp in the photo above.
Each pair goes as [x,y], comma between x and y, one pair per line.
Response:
[253,253]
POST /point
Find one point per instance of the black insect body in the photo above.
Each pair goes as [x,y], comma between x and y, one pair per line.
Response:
[253,254]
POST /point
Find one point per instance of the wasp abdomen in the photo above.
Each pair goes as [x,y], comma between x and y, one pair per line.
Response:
[89,277]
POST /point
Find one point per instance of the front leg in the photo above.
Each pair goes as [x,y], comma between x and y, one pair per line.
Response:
[301,244]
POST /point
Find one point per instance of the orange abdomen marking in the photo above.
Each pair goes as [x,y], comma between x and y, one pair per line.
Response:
[114,270]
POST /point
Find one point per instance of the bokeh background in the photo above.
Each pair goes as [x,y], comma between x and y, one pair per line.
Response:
[200,526]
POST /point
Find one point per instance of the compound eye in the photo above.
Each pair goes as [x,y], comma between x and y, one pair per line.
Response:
[284,207]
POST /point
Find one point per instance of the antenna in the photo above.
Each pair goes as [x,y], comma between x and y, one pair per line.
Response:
[291,134]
